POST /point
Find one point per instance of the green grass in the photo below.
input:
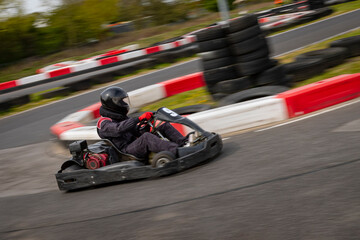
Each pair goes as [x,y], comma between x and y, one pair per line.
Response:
[345,7]
[193,97]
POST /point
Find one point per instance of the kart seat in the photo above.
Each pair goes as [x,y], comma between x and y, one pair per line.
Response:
[123,156]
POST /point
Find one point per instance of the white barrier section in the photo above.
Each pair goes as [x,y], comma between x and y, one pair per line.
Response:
[87,132]
[241,116]
[146,95]
[84,66]
[139,53]
[167,46]
[79,117]
[32,79]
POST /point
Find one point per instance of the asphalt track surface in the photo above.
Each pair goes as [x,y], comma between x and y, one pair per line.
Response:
[296,181]
[14,131]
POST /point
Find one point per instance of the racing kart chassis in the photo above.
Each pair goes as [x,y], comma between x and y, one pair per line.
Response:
[210,146]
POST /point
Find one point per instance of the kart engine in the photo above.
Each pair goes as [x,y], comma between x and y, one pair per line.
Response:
[95,160]
[81,154]
[77,150]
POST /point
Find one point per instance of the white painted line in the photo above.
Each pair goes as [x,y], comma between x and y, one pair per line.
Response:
[322,40]
[311,115]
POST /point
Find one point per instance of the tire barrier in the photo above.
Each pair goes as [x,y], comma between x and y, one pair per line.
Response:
[310,64]
[191,109]
[236,57]
[253,93]
[330,57]
[350,43]
[247,109]
[215,56]
[314,4]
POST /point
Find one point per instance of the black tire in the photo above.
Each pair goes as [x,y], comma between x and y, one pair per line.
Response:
[249,45]
[244,34]
[217,63]
[220,53]
[351,43]
[251,56]
[210,33]
[272,76]
[303,69]
[161,158]
[218,96]
[212,44]
[188,51]
[234,85]
[216,75]
[72,168]
[330,56]
[164,57]
[252,93]
[242,22]
[192,109]
[255,66]
[79,86]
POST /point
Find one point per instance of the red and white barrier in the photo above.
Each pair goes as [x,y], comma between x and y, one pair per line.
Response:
[72,127]
[322,94]
[226,119]
[94,62]
[281,20]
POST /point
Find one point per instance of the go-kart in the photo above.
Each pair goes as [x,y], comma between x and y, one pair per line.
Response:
[102,162]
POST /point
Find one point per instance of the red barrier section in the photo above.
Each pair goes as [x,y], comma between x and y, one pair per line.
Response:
[9,84]
[108,60]
[59,128]
[152,49]
[59,72]
[95,109]
[321,94]
[183,84]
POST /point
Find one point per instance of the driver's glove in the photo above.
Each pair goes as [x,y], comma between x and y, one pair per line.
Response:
[146,116]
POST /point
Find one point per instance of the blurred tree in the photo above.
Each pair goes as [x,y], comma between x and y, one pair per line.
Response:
[79,21]
[75,22]
[212,5]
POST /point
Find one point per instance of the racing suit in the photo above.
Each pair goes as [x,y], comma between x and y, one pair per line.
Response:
[122,132]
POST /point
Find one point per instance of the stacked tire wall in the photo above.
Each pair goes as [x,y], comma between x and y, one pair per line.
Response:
[236,57]
[310,64]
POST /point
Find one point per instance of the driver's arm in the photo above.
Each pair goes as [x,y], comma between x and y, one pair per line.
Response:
[109,128]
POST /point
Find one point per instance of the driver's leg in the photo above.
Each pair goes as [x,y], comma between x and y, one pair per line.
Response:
[172,134]
[147,143]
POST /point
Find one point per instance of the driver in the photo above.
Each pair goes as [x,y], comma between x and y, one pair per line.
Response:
[122,131]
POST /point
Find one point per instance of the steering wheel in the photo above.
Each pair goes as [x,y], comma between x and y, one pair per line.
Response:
[143,125]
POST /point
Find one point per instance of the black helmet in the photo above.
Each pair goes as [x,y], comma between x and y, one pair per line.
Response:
[113,98]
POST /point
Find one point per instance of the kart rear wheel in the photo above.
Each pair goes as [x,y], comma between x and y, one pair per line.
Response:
[161,158]
[72,168]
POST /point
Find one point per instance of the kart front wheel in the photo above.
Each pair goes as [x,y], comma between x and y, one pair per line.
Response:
[161,158]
